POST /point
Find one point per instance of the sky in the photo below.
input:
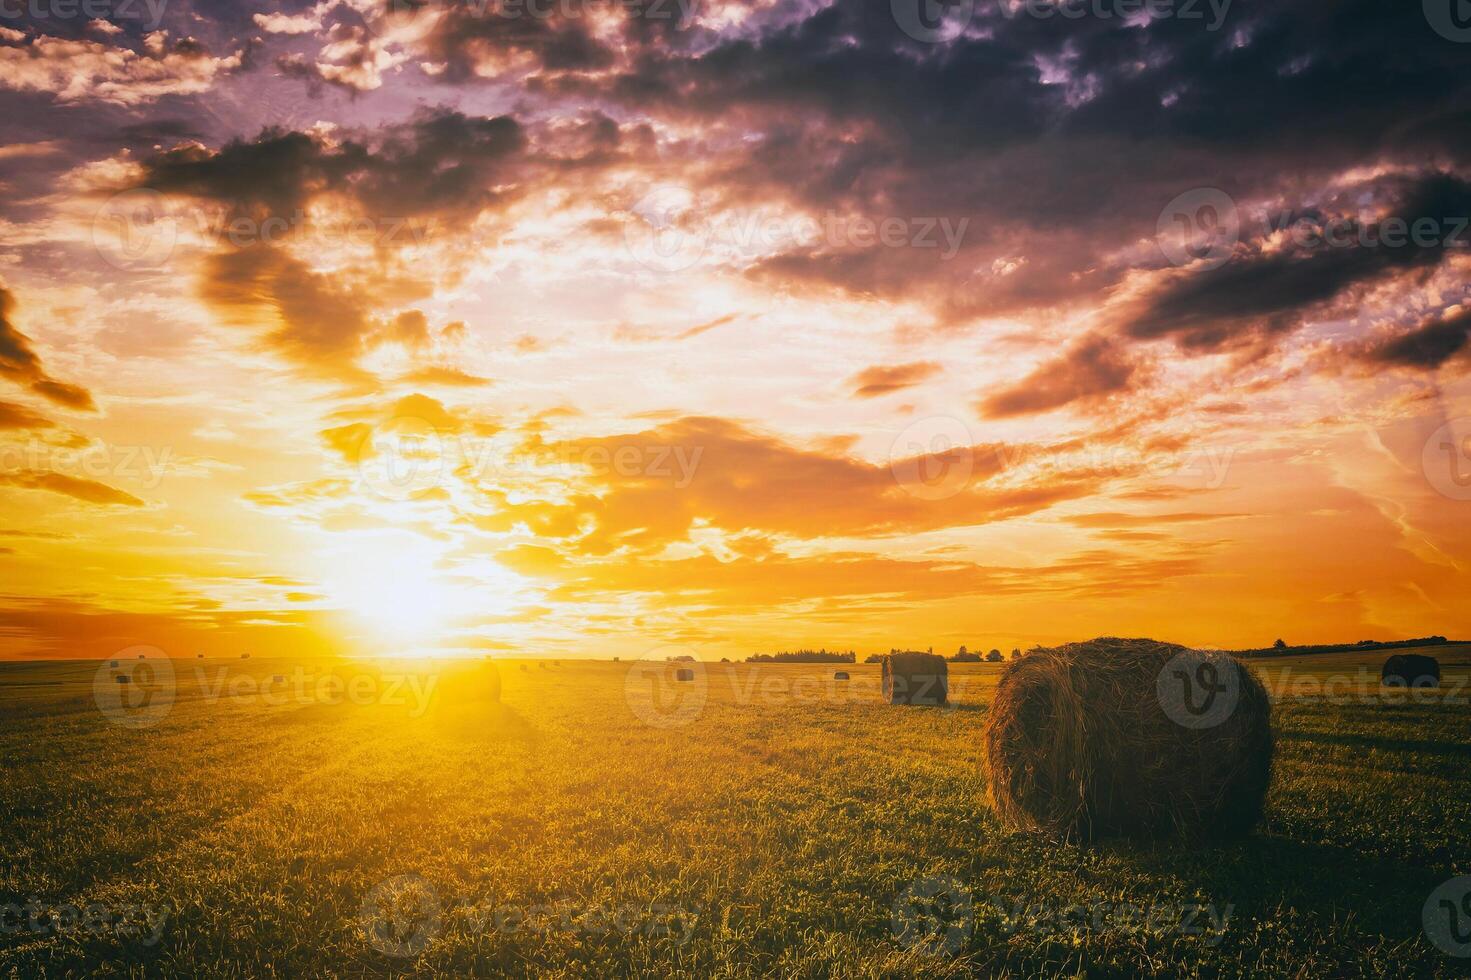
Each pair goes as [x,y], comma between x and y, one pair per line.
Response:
[606,328]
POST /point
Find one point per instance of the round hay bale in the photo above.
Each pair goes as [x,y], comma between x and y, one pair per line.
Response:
[684,674]
[1410,670]
[1132,738]
[915,678]
[841,675]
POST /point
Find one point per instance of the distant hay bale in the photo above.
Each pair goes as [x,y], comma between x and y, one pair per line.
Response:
[684,674]
[1132,738]
[1411,670]
[915,678]
[841,675]
[523,666]
[245,656]
[112,663]
[124,679]
[278,679]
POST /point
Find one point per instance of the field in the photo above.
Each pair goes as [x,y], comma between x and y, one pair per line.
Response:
[588,825]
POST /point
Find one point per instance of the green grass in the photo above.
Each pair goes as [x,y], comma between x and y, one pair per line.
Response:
[773,834]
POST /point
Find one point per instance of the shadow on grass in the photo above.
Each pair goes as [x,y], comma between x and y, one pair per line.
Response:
[1263,875]
[485,721]
[1459,750]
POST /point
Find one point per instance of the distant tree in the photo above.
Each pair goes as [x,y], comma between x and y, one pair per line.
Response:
[929,649]
[964,657]
[961,652]
[874,658]
[801,657]
[994,656]
[725,660]
[1016,653]
[1281,644]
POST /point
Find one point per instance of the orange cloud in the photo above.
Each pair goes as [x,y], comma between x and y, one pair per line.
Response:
[881,380]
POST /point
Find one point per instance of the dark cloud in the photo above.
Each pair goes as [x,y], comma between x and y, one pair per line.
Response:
[1092,369]
[1426,347]
[318,321]
[1268,285]
[442,164]
[19,363]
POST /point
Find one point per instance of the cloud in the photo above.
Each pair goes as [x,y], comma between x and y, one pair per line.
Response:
[81,70]
[1430,345]
[317,321]
[441,163]
[1120,520]
[89,491]
[884,380]
[19,363]
[1094,368]
[774,581]
[443,376]
[644,490]
[1269,285]
[13,416]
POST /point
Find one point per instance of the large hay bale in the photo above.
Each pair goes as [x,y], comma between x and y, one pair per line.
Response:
[1131,738]
[841,675]
[684,674]
[915,678]
[1411,670]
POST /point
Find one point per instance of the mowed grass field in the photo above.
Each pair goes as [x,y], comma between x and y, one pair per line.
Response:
[765,820]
